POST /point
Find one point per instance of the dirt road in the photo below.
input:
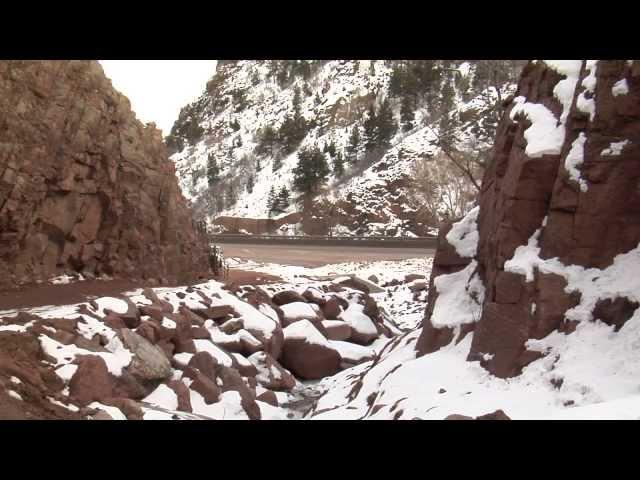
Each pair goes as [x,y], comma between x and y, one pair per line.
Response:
[318,255]
[31,296]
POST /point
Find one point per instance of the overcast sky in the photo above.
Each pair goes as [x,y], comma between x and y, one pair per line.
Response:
[158,89]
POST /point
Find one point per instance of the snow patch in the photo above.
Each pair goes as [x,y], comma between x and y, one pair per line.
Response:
[464,234]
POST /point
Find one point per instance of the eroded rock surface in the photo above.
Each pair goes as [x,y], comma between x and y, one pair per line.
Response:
[560,197]
[84,186]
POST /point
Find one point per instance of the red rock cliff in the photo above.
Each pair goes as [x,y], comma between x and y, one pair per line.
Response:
[560,200]
[84,186]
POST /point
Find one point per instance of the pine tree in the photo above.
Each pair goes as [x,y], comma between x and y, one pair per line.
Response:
[338,165]
[296,103]
[370,130]
[271,199]
[311,171]
[331,149]
[213,171]
[447,122]
[267,139]
[231,195]
[446,96]
[386,125]
[277,163]
[396,83]
[282,76]
[282,202]
[292,132]
[250,183]
[406,115]
[219,202]
[354,145]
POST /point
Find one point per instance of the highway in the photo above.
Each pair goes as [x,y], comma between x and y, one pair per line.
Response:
[318,255]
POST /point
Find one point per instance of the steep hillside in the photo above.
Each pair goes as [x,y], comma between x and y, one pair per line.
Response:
[245,135]
[84,186]
[534,295]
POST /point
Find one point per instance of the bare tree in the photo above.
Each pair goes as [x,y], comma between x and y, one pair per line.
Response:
[439,189]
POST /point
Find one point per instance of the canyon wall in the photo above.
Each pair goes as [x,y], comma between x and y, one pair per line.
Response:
[84,186]
[557,226]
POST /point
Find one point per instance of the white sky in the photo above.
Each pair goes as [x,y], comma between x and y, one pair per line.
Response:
[158,89]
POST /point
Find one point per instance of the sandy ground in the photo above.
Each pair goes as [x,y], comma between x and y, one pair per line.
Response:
[318,255]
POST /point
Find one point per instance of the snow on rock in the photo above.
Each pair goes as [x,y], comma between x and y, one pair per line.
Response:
[545,136]
[298,310]
[564,90]
[15,328]
[217,353]
[227,408]
[464,234]
[14,394]
[351,352]
[621,87]
[593,284]
[183,358]
[460,297]
[164,397]
[116,359]
[614,149]
[304,330]
[116,305]
[113,412]
[574,159]
[363,327]
[584,104]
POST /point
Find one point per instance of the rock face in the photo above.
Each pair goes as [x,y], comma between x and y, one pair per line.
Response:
[84,186]
[560,196]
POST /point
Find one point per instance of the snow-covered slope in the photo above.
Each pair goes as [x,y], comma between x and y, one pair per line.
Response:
[373,196]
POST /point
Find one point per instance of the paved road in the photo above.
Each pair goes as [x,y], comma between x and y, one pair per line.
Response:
[318,255]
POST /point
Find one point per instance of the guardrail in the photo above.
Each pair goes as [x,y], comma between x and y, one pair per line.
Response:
[410,242]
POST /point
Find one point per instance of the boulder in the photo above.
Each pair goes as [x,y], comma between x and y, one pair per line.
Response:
[92,381]
[313,295]
[205,363]
[412,277]
[296,311]
[418,285]
[337,329]
[204,386]
[456,416]
[129,407]
[333,307]
[270,374]
[307,353]
[497,415]
[232,380]
[268,397]
[287,296]
[149,361]
[363,330]
[182,392]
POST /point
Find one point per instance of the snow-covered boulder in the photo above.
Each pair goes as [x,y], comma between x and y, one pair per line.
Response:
[337,329]
[296,311]
[287,296]
[271,374]
[307,353]
[364,331]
